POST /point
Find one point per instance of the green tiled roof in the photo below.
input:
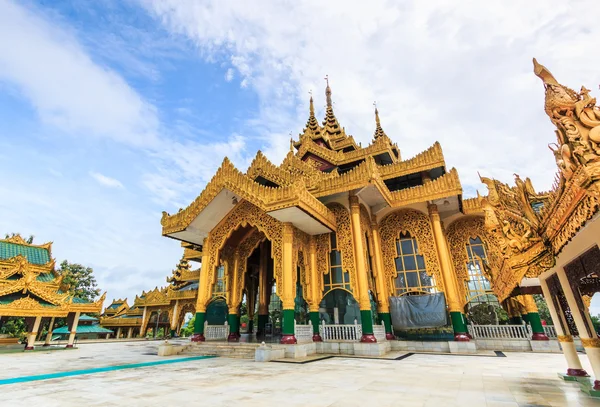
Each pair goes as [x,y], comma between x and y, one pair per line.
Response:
[45,277]
[116,305]
[34,255]
[7,299]
[85,317]
[83,329]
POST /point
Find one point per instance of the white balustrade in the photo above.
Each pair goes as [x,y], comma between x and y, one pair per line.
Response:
[379,332]
[216,332]
[341,333]
[550,331]
[499,332]
[303,333]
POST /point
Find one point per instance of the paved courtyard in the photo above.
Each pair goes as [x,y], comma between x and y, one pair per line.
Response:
[519,379]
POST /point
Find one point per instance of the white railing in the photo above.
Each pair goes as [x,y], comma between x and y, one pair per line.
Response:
[341,333]
[499,331]
[216,332]
[379,332]
[550,331]
[303,333]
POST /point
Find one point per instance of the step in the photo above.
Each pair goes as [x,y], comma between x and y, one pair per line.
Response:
[233,350]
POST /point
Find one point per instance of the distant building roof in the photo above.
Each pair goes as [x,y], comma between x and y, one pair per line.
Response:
[33,254]
[83,329]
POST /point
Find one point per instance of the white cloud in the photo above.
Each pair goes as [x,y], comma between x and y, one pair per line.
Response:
[106,181]
[457,72]
[229,75]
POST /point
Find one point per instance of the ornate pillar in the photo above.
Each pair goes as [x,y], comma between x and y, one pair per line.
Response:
[361,272]
[129,332]
[589,339]
[313,306]
[513,312]
[533,318]
[263,290]
[174,319]
[382,288]
[234,304]
[34,325]
[203,289]
[119,333]
[455,305]
[49,334]
[288,290]
[574,367]
[73,330]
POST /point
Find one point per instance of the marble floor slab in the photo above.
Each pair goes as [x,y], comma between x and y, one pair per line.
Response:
[519,379]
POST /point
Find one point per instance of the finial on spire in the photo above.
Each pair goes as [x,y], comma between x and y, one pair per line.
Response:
[312,107]
[376,114]
[328,91]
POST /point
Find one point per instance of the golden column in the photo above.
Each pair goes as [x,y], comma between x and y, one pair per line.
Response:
[33,326]
[455,305]
[380,281]
[589,339]
[574,367]
[73,329]
[315,285]
[288,291]
[366,316]
[203,291]
[49,334]
[264,290]
[233,318]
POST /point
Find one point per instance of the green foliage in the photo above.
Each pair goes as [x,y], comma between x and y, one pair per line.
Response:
[81,281]
[542,308]
[189,329]
[14,327]
[596,322]
[487,314]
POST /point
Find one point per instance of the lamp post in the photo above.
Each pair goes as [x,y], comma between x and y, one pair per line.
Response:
[157,319]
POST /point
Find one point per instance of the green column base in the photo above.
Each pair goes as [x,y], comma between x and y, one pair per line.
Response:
[536,327]
[387,321]
[366,318]
[198,335]
[315,319]
[460,328]
[172,333]
[262,322]
[234,327]
[287,327]
[250,326]
[515,321]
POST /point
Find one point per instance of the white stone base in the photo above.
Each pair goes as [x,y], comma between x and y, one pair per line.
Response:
[462,347]
[511,345]
[550,346]
[372,349]
[267,353]
[167,349]
[421,346]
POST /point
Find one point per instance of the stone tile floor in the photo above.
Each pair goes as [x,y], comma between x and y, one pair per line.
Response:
[519,379]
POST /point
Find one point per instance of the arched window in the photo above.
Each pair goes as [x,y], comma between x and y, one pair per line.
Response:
[412,275]
[337,278]
[220,288]
[478,287]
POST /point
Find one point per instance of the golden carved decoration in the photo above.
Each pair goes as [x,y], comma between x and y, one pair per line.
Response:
[565,338]
[344,241]
[417,224]
[590,342]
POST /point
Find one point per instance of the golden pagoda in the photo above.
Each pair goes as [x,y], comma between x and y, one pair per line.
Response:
[31,287]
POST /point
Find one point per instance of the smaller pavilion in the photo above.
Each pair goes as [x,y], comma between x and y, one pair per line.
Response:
[88,328]
[32,288]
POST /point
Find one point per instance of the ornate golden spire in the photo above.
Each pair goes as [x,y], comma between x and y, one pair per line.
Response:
[331,125]
[378,130]
[312,125]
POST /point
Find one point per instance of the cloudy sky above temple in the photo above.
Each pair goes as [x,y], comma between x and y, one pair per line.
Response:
[113,111]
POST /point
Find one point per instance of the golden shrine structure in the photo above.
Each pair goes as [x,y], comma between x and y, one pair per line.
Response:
[30,287]
[338,223]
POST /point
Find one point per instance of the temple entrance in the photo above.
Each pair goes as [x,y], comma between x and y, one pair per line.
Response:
[339,307]
[216,312]
[158,324]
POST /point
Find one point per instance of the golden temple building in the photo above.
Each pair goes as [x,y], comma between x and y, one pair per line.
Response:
[30,287]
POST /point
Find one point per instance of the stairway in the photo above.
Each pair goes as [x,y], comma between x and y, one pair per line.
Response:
[229,350]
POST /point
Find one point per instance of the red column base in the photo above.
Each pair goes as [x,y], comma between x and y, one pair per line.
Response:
[317,338]
[539,337]
[596,384]
[288,340]
[28,347]
[69,346]
[368,338]
[46,344]
[577,372]
[390,336]
[469,335]
[233,337]
[198,338]
[461,337]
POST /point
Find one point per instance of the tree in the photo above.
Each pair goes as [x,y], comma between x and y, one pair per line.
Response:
[542,308]
[189,329]
[81,281]
[596,322]
[14,326]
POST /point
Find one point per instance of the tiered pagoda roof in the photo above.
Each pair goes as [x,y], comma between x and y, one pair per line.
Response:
[326,161]
[30,285]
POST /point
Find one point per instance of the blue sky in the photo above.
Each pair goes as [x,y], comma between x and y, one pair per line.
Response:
[113,111]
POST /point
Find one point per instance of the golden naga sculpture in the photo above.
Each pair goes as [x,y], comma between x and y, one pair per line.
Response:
[578,121]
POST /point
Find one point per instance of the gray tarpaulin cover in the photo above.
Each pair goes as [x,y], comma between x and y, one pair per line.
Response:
[418,311]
